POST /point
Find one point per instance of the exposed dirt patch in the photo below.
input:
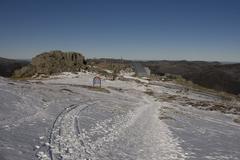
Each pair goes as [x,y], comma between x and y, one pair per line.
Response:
[98,89]
[66,90]
[165,112]
[231,107]
[149,92]
[162,117]
[237,120]
[116,89]
[10,83]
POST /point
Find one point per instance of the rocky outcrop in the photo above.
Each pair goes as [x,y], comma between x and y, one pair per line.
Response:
[53,62]
[58,61]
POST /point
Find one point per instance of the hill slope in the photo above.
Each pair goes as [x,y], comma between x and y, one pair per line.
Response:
[8,66]
[214,75]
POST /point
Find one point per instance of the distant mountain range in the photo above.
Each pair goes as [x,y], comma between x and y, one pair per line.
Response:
[221,76]
[8,66]
[230,62]
[215,75]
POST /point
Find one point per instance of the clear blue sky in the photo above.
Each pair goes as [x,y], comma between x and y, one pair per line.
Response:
[133,29]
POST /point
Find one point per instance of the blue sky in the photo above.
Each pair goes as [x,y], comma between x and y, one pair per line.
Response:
[132,29]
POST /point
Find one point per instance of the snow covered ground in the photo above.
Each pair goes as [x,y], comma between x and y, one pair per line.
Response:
[63,118]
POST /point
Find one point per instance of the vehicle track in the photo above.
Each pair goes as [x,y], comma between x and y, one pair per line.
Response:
[56,129]
[68,139]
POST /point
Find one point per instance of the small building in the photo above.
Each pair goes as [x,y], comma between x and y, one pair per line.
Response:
[140,70]
[148,71]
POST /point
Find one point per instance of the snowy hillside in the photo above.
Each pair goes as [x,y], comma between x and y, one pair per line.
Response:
[63,117]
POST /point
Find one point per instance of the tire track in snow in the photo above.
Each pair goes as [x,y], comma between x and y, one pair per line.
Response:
[142,136]
[57,124]
[108,136]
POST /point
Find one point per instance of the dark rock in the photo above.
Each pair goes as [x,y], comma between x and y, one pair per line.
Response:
[53,62]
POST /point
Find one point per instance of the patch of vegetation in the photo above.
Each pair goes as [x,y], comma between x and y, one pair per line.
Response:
[114,65]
